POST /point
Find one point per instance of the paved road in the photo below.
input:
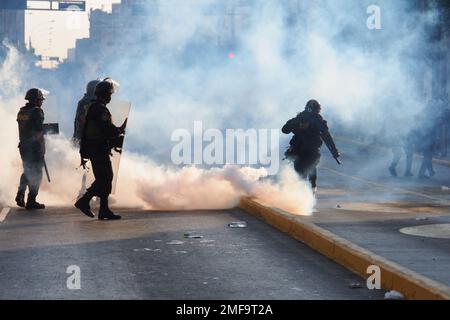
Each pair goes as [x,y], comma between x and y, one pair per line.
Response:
[361,202]
[145,256]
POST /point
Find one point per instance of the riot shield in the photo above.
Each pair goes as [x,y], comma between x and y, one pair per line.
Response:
[119,111]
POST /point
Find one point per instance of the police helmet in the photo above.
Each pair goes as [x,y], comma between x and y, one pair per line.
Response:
[34,94]
[90,88]
[104,88]
[313,106]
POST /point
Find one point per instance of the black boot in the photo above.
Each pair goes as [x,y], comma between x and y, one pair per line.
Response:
[83,205]
[20,199]
[105,213]
[32,204]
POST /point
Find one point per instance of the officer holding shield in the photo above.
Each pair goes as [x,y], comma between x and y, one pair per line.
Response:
[100,136]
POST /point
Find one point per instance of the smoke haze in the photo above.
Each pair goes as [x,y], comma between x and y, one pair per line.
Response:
[174,74]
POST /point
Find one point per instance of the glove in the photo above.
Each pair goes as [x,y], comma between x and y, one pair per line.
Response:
[123,126]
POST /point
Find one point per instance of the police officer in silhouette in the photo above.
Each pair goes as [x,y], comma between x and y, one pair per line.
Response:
[100,136]
[310,130]
[32,149]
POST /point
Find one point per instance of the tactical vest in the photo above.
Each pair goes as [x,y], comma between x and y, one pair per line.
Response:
[92,130]
[307,133]
[80,118]
[27,122]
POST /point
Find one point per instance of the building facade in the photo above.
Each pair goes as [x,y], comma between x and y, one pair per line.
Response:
[12,27]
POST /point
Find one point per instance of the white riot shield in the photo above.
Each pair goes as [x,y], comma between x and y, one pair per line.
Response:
[119,111]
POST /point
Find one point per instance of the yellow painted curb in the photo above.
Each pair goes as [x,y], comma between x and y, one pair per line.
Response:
[349,255]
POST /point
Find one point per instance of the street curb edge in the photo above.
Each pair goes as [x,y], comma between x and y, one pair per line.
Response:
[356,259]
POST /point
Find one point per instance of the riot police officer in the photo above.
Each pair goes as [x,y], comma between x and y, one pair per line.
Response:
[406,142]
[309,129]
[80,121]
[99,137]
[32,148]
[82,108]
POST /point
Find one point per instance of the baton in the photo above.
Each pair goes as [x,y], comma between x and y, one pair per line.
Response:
[46,171]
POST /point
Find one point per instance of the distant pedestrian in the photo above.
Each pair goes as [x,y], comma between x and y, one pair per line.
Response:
[403,145]
[427,142]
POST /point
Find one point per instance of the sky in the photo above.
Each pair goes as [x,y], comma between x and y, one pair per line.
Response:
[53,32]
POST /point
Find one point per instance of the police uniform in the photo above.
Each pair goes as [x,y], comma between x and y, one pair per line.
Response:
[96,145]
[32,149]
[99,137]
[82,109]
[309,130]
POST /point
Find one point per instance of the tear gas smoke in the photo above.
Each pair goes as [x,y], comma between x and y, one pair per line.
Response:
[175,69]
[147,184]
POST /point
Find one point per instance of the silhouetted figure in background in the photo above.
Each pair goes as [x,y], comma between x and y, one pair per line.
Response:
[80,121]
[406,144]
[443,127]
[427,140]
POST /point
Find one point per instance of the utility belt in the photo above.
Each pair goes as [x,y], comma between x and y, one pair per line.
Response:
[293,153]
[90,147]
[31,150]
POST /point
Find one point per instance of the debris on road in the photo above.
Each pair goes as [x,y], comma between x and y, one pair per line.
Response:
[192,236]
[146,249]
[445,188]
[421,218]
[338,206]
[206,241]
[394,295]
[175,242]
[355,285]
[238,224]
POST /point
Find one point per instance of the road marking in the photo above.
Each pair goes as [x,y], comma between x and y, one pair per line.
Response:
[440,231]
[441,201]
[4,213]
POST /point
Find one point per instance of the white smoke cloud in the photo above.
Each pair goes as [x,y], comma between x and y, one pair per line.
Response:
[359,75]
[177,75]
[9,98]
[142,183]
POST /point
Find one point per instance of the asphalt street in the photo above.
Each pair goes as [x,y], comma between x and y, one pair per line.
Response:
[361,202]
[147,256]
